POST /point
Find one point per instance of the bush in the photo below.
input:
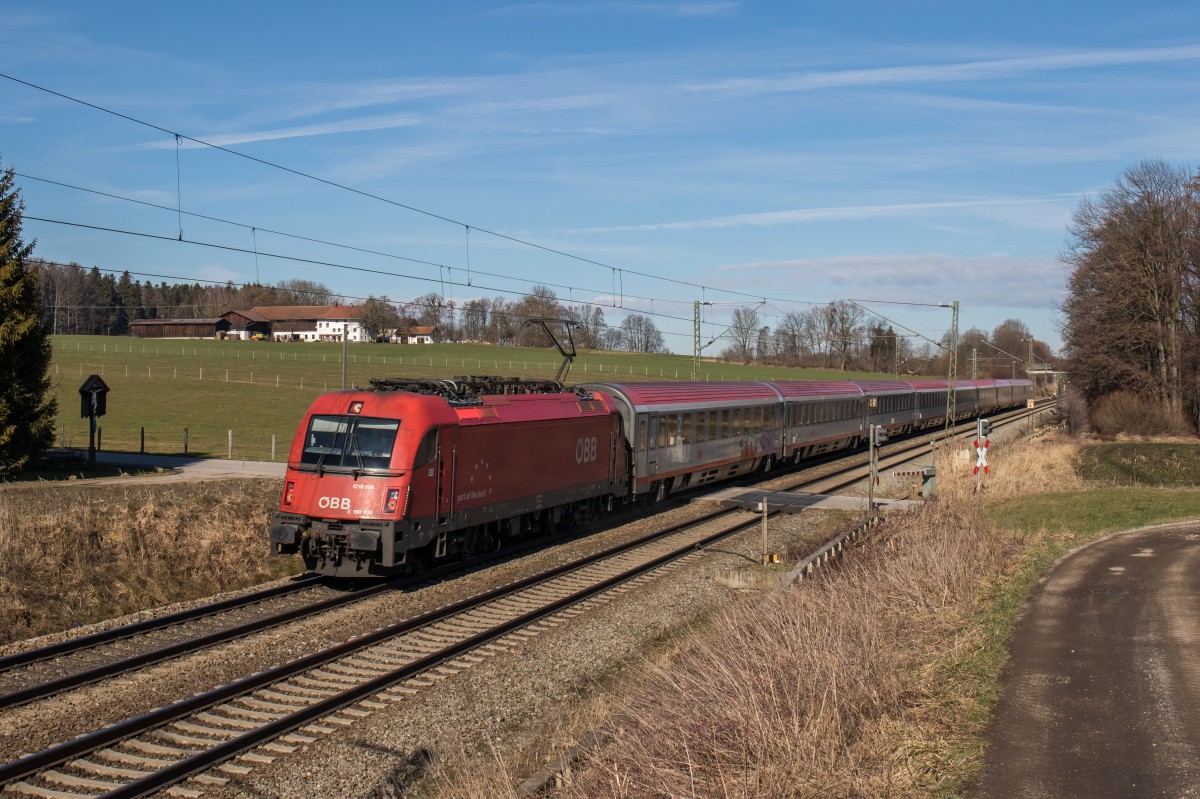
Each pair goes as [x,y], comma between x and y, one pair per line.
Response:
[1135,415]
[1074,409]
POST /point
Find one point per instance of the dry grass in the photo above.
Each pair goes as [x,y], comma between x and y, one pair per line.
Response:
[828,689]
[874,680]
[1123,412]
[1019,469]
[71,556]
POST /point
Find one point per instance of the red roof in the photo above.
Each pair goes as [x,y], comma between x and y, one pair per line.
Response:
[253,316]
[817,388]
[882,386]
[292,313]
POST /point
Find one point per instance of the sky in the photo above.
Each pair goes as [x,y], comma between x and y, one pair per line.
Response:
[638,156]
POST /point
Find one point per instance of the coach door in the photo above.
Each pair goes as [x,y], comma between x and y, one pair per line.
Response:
[447,468]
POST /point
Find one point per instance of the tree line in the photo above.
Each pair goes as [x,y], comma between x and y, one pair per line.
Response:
[837,335]
[1132,308]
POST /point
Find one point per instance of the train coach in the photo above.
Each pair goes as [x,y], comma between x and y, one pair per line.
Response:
[413,471]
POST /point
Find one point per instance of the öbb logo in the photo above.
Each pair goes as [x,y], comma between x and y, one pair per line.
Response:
[585,450]
[336,503]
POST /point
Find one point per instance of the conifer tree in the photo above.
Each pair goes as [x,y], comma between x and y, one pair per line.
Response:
[26,408]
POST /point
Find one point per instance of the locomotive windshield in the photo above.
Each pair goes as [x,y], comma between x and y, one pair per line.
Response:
[349,442]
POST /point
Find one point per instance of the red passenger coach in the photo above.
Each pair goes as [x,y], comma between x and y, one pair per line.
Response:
[415,470]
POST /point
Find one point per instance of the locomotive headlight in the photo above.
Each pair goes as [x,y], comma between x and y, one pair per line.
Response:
[393,500]
[289,492]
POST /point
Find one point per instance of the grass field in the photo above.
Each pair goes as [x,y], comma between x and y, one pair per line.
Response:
[261,389]
[1142,464]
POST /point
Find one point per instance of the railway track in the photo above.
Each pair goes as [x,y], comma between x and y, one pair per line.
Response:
[341,683]
[273,712]
[38,673]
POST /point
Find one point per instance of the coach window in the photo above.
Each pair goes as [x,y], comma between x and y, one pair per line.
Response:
[662,431]
[714,425]
[652,437]
[701,423]
[758,421]
[685,434]
[641,434]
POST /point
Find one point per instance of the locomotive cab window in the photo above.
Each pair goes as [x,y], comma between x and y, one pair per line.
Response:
[350,442]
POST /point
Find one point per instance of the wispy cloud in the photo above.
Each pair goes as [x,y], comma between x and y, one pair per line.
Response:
[930,73]
[696,8]
[809,215]
[356,125]
[994,280]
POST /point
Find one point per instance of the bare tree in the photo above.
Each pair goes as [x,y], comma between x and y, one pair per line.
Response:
[743,332]
[845,319]
[1130,308]
[379,316]
[475,319]
[639,334]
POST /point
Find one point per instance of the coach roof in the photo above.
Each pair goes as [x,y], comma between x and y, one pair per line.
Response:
[703,394]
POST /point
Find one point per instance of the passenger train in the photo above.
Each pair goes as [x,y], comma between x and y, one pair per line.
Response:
[410,472]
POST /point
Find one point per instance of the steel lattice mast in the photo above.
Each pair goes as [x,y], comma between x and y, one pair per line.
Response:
[952,373]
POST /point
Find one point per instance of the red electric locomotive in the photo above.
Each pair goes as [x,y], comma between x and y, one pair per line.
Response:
[412,470]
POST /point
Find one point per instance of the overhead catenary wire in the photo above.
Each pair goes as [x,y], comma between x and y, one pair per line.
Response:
[617,303]
[180,138]
[343,187]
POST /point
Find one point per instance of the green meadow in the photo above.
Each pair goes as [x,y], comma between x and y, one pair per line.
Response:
[253,390]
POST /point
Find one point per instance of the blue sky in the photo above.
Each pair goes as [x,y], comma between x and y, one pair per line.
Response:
[656,153]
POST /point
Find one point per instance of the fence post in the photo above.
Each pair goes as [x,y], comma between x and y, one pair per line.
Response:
[230,445]
[272,447]
[185,440]
[142,448]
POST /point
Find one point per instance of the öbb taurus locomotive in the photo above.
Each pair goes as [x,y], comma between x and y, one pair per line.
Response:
[409,471]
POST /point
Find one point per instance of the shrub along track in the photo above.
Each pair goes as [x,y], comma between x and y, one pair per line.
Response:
[157,749]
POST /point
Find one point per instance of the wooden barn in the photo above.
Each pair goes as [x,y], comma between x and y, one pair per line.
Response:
[178,328]
[247,324]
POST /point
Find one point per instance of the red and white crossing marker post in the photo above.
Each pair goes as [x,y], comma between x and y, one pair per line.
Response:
[983,428]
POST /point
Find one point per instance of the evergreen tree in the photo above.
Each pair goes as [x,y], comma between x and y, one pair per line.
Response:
[26,408]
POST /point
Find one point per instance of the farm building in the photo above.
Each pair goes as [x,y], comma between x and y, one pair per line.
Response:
[247,324]
[311,322]
[178,328]
[416,335]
